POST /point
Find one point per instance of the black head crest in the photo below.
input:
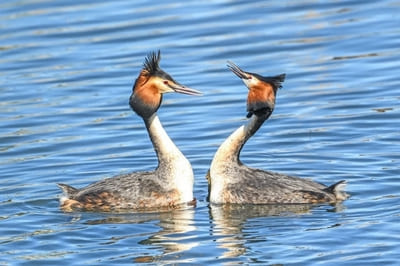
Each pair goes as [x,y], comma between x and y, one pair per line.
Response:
[275,81]
[151,63]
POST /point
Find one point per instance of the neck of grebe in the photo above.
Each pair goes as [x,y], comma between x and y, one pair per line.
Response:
[172,164]
[226,159]
[165,148]
[228,153]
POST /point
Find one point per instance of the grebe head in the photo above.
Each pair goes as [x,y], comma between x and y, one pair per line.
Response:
[151,83]
[262,90]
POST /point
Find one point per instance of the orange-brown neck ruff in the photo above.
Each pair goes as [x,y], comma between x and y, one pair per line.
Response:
[145,98]
[261,97]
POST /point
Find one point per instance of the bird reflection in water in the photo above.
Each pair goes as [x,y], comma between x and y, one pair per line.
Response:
[231,220]
[176,227]
[173,238]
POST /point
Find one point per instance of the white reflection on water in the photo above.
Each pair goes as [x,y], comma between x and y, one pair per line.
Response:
[229,221]
[173,238]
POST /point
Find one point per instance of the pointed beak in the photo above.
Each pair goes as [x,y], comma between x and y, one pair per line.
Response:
[184,90]
[237,71]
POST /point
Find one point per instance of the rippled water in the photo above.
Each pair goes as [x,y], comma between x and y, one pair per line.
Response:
[66,72]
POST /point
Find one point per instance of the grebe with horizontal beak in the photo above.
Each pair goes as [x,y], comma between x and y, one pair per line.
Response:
[169,185]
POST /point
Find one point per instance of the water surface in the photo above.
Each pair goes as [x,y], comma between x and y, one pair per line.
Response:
[66,73]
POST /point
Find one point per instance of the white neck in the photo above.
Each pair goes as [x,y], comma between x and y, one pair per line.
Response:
[172,164]
[227,157]
[229,151]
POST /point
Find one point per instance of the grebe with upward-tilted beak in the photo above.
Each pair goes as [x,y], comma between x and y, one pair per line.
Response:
[230,181]
[170,185]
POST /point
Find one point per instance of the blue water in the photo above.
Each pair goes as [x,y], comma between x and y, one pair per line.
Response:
[66,73]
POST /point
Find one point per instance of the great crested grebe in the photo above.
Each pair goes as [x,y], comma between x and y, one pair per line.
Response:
[230,181]
[170,184]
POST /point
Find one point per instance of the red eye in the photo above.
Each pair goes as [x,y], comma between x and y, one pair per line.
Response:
[165,82]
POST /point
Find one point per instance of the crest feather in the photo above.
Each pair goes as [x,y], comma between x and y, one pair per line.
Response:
[151,63]
[275,81]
